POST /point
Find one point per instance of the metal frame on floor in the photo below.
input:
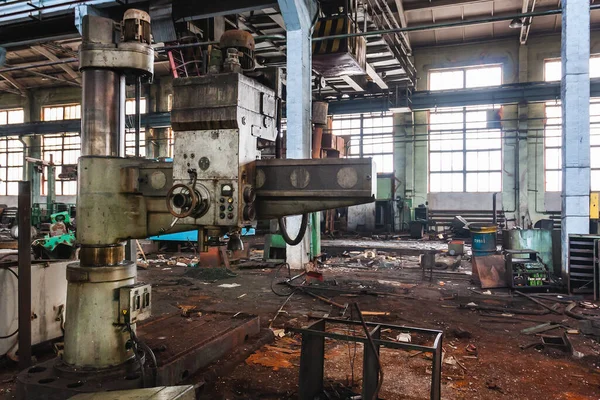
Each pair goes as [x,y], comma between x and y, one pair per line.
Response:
[313,352]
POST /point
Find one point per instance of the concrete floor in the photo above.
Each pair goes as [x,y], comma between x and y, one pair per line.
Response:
[497,369]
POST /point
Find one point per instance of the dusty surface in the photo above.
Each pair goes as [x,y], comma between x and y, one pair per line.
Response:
[495,368]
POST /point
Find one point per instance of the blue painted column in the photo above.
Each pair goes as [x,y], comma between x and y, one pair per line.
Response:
[298,16]
[575,90]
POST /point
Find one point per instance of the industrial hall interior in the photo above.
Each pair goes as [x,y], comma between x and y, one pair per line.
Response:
[299,199]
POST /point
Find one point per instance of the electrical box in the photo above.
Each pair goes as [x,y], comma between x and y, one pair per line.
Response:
[594,210]
[134,303]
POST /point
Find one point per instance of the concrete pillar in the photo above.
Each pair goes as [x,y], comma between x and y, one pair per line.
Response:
[298,15]
[535,160]
[575,91]
[420,158]
[402,136]
[511,168]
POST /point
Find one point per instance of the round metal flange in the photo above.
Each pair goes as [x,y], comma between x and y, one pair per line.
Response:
[86,274]
[102,256]
[137,57]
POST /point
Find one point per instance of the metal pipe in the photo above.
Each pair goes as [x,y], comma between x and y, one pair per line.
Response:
[138,126]
[24,295]
[38,9]
[101,126]
[494,209]
[446,25]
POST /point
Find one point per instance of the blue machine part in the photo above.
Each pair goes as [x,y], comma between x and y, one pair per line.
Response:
[192,236]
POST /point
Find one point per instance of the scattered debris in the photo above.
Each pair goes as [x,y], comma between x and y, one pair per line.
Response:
[242,295]
[588,305]
[376,313]
[210,274]
[548,326]
[460,333]
[471,348]
[276,357]
[450,360]
[186,310]
[538,302]
[402,337]
[229,285]
[492,385]
[278,333]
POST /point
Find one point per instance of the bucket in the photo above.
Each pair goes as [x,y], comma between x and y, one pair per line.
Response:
[484,239]
[456,247]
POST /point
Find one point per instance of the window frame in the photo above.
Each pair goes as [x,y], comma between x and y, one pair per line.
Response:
[436,135]
[63,187]
[76,107]
[130,132]
[464,75]
[356,146]
[9,187]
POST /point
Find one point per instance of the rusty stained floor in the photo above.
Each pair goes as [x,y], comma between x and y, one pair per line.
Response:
[494,368]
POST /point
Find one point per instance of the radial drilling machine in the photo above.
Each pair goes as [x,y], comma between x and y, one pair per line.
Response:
[217,183]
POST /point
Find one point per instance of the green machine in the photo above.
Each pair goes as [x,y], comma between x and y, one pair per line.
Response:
[41,213]
[60,242]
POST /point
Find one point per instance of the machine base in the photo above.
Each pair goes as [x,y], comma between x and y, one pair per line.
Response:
[55,380]
[182,345]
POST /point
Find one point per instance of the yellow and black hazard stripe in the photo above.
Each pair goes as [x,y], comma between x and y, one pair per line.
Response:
[327,27]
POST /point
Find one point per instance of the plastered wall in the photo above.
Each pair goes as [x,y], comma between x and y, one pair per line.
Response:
[523,194]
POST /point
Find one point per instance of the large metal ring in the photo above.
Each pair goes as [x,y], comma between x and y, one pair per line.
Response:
[182,200]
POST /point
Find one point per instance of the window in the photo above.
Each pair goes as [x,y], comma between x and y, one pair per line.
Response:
[553,69]
[11,165]
[368,135]
[62,148]
[12,154]
[15,116]
[62,112]
[553,131]
[469,77]
[553,146]
[465,143]
[130,132]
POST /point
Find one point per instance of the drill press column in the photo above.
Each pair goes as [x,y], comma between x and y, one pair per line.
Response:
[96,334]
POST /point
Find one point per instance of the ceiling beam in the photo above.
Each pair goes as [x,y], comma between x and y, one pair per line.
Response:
[426,5]
[403,22]
[52,57]
[190,10]
[352,83]
[8,78]
[275,15]
[376,78]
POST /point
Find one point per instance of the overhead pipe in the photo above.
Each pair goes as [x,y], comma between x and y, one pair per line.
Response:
[36,8]
[447,24]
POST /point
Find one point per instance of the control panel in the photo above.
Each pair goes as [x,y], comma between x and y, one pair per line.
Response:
[134,303]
